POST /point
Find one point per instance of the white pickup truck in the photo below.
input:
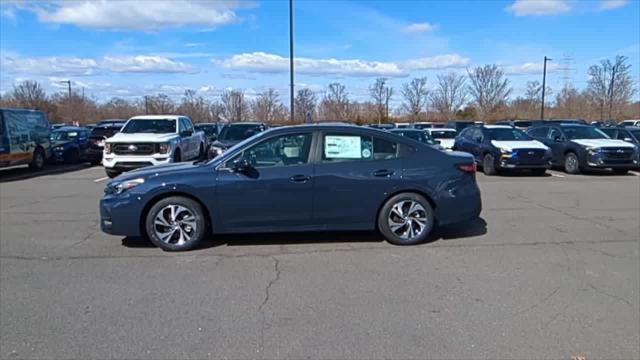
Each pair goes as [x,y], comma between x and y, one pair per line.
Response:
[152,140]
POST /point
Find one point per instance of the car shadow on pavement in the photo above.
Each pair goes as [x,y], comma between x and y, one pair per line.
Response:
[463,230]
[522,174]
[24,173]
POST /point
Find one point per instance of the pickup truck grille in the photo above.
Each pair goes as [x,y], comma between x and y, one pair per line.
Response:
[134,149]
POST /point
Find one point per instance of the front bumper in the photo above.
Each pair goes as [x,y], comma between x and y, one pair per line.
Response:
[516,162]
[124,163]
[120,214]
[602,161]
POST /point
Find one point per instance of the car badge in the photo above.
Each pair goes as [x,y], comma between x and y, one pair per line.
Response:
[531,153]
[620,151]
[133,148]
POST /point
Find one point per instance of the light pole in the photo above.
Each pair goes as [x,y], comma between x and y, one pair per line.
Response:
[544,85]
[291,90]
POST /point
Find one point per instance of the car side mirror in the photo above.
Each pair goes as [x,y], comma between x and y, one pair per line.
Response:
[243,166]
[558,138]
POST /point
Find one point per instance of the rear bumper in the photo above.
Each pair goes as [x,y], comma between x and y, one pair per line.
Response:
[462,202]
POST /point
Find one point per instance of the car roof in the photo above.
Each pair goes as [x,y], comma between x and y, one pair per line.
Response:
[497,127]
[245,123]
[157,117]
[405,130]
[441,129]
[70,128]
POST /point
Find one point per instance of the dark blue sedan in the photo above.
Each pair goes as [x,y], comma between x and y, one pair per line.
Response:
[297,178]
[70,144]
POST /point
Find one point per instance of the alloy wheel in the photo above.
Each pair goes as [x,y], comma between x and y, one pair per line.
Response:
[407,219]
[175,224]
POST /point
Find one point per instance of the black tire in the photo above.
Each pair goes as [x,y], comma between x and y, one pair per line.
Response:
[538,172]
[177,156]
[196,235]
[571,163]
[112,173]
[620,171]
[386,216]
[38,160]
[488,165]
[72,156]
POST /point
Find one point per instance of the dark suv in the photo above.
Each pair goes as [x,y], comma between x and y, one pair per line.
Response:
[99,134]
[233,133]
[581,147]
[502,147]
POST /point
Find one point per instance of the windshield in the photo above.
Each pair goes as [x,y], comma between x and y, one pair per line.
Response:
[583,132]
[208,129]
[443,134]
[63,135]
[422,126]
[161,126]
[511,134]
[238,132]
[635,133]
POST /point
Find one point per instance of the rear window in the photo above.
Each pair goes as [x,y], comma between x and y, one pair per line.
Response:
[443,134]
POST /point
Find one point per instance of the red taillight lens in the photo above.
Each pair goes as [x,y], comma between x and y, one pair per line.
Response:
[468,168]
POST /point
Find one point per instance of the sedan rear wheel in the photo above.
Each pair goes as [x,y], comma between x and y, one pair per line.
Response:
[406,219]
[176,224]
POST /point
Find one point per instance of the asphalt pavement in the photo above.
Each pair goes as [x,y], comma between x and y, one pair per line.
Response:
[552,270]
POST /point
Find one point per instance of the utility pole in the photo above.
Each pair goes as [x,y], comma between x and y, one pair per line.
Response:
[387,96]
[291,90]
[544,85]
[146,105]
[613,77]
[68,82]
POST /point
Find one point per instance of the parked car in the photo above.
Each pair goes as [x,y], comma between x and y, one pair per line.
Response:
[459,125]
[234,133]
[630,134]
[24,138]
[437,125]
[419,136]
[298,178]
[557,122]
[402,125]
[383,126]
[520,124]
[59,125]
[630,123]
[443,135]
[502,147]
[152,140]
[70,144]
[97,138]
[111,122]
[579,147]
[422,125]
[210,130]
[90,126]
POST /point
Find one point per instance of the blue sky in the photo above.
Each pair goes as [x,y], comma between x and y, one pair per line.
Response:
[134,48]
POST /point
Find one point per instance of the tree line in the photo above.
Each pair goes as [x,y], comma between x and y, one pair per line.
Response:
[482,93]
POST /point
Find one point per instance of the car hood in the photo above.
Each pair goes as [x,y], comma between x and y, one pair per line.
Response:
[514,145]
[446,143]
[158,170]
[597,143]
[59,143]
[141,137]
[224,144]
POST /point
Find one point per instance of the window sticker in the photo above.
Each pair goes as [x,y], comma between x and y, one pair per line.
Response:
[342,147]
[366,153]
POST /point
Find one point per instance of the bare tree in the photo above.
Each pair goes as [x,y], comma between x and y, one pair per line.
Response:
[196,107]
[264,107]
[380,94]
[489,89]
[216,110]
[305,105]
[236,107]
[415,96]
[29,94]
[118,108]
[450,94]
[610,85]
[335,104]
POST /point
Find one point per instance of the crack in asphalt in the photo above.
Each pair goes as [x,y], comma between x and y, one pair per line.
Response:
[373,248]
[619,298]
[542,301]
[267,295]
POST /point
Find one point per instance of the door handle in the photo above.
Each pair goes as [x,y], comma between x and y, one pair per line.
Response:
[299,178]
[383,173]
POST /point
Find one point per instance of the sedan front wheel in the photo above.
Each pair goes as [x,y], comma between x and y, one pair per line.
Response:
[176,224]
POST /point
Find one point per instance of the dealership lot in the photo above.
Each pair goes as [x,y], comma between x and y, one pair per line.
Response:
[552,270]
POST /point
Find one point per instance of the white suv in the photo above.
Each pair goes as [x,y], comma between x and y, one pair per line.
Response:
[153,140]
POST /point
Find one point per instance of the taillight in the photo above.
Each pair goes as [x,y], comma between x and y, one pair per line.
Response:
[468,168]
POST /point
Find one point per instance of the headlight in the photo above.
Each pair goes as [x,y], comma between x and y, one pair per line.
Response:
[58,148]
[126,185]
[505,151]
[108,148]
[217,150]
[593,150]
[164,148]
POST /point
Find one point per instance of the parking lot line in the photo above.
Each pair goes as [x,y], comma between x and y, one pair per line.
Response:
[556,175]
[101,179]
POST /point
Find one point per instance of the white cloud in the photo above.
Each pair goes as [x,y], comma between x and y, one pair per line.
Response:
[437,62]
[419,27]
[76,66]
[261,62]
[538,7]
[141,63]
[529,68]
[612,4]
[149,15]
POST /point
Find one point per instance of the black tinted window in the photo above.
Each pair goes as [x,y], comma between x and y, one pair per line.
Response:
[538,132]
[384,149]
